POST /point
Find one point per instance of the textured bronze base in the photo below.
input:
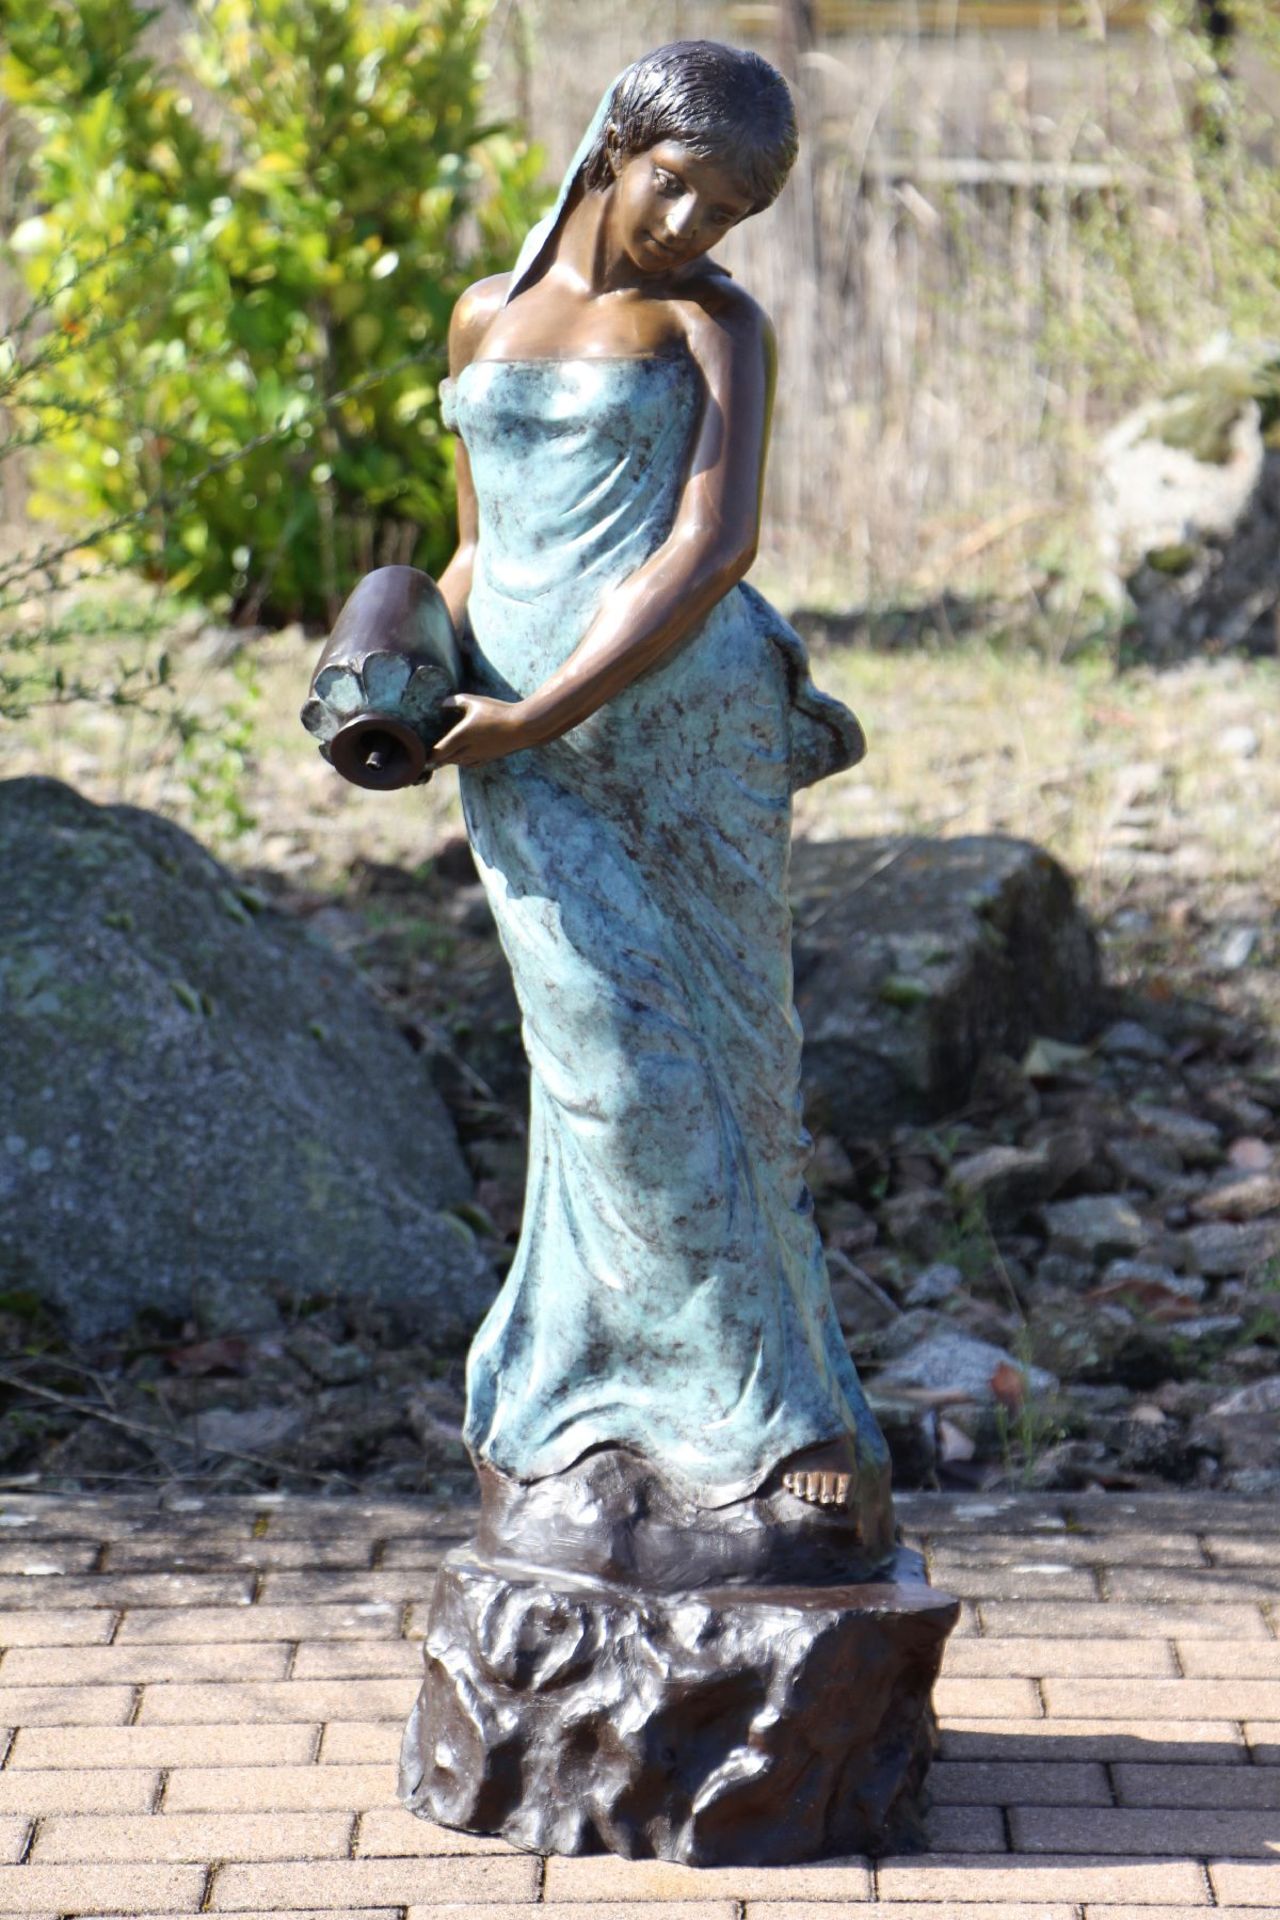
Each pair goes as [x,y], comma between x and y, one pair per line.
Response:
[728,1726]
[613,1517]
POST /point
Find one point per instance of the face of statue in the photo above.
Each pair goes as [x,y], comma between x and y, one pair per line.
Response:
[670,206]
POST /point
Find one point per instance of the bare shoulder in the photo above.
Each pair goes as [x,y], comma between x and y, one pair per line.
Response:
[474,314]
[726,329]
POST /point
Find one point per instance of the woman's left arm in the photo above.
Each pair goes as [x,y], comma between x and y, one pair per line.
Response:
[710,547]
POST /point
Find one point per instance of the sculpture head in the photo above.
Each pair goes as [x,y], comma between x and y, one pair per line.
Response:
[723,107]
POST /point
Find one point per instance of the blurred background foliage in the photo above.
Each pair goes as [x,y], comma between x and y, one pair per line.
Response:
[242,224]
[233,231]
[241,246]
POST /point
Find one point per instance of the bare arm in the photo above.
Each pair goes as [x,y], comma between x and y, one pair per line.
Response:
[711,545]
[471,318]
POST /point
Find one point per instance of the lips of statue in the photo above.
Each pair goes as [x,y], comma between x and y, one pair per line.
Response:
[670,206]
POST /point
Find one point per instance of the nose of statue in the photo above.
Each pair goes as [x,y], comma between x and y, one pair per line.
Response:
[681,221]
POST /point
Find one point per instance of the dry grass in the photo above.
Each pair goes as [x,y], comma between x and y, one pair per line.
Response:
[982,739]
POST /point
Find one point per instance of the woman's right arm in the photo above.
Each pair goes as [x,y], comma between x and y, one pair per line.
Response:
[471,320]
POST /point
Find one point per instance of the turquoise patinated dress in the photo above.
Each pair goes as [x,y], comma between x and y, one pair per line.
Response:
[669,1292]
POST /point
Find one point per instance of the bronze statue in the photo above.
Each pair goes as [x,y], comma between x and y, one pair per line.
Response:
[684,1627]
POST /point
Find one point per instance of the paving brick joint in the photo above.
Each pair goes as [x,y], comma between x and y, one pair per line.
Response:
[201,1704]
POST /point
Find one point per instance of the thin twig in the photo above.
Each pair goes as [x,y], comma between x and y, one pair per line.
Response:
[157,1433]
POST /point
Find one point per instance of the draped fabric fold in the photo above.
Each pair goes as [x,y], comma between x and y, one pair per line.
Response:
[669,1292]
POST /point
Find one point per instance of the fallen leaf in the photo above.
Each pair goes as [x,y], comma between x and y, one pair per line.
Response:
[1162,1302]
[1009,1385]
[228,1354]
[1045,1059]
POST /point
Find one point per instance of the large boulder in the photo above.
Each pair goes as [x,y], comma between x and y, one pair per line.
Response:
[1187,508]
[201,1103]
[915,961]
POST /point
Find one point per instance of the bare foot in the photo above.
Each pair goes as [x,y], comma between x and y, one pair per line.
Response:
[823,1475]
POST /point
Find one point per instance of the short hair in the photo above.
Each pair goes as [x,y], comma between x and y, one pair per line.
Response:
[723,103]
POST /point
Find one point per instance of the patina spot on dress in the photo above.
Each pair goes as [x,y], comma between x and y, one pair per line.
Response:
[669,1293]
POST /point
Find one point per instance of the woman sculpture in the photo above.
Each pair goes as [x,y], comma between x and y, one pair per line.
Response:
[626,766]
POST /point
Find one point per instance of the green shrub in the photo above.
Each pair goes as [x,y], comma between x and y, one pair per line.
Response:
[244,257]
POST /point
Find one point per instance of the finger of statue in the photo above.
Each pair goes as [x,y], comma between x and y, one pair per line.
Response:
[443,751]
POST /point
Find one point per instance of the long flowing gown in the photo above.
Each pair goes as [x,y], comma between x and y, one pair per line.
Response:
[669,1293]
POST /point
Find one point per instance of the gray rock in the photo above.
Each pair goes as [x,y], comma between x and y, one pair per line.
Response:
[1219,592]
[983,1318]
[1211,1329]
[1157,1445]
[861,1304]
[1264,1086]
[1187,499]
[847,1226]
[1097,1226]
[1221,1248]
[934,1283]
[911,1435]
[434,1416]
[1160,486]
[1229,1103]
[918,1221]
[333,1363]
[948,1361]
[917,960]
[1058,1272]
[1128,1040]
[1153,1164]
[1153,1274]
[1245,1441]
[907,1332]
[200,1096]
[1241,1196]
[221,1302]
[1068,1467]
[1105,1342]
[1254,1483]
[1104,1398]
[1008,1181]
[830,1169]
[1198,1141]
[1263,1396]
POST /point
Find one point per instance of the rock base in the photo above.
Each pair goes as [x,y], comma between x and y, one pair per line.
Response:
[729,1726]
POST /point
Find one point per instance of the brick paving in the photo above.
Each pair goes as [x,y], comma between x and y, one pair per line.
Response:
[200,1709]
